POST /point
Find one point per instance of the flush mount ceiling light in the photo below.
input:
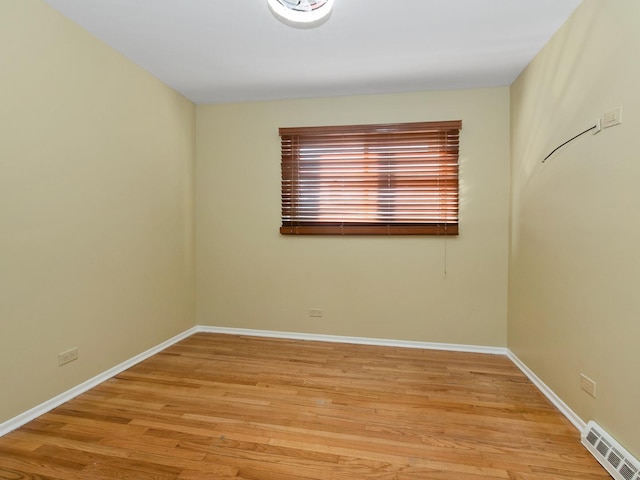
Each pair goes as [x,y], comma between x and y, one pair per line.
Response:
[301,13]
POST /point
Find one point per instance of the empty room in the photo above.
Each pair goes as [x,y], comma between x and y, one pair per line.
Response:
[319,239]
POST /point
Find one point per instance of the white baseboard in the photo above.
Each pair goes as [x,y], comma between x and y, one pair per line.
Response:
[452,347]
[49,405]
[547,392]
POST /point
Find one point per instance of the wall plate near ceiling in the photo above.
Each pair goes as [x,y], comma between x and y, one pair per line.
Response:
[301,13]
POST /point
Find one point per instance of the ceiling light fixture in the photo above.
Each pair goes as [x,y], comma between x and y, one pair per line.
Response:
[301,13]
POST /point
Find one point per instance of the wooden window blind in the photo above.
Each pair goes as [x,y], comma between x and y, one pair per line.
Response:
[386,179]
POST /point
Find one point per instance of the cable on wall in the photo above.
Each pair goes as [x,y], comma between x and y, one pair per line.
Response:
[570,140]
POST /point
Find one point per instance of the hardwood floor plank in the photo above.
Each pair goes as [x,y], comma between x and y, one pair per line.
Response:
[228,407]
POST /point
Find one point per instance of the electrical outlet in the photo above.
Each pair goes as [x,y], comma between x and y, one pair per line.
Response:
[315,312]
[67,356]
[611,118]
[588,385]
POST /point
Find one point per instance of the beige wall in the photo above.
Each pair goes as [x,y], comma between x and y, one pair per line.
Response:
[96,206]
[250,276]
[574,305]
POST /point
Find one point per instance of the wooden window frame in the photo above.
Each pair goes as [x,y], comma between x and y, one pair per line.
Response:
[378,179]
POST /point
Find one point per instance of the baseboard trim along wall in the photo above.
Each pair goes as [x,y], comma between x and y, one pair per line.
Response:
[547,392]
[58,400]
[452,347]
[45,407]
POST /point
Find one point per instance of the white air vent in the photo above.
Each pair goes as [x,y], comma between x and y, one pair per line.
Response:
[618,462]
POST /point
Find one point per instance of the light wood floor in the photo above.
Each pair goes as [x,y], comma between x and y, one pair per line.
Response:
[231,407]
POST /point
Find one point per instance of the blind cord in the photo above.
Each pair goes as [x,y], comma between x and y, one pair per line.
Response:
[570,140]
[445,253]
[445,237]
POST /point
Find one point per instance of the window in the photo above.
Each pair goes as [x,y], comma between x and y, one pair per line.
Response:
[389,179]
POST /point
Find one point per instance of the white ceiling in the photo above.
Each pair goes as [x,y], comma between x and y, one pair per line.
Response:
[218,51]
